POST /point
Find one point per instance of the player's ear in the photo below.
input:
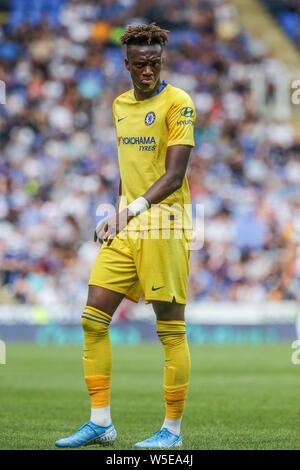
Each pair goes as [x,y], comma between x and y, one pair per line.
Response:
[126,63]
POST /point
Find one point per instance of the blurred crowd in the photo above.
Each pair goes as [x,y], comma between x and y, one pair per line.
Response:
[62,64]
[287,13]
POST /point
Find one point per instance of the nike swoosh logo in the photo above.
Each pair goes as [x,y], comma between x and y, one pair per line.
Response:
[122,119]
[156,288]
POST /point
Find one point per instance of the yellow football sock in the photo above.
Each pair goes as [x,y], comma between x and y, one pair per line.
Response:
[97,360]
[177,366]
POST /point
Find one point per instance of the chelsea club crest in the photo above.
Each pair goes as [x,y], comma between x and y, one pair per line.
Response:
[150,118]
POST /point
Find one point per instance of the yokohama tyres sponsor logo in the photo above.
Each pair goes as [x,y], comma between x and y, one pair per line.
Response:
[136,140]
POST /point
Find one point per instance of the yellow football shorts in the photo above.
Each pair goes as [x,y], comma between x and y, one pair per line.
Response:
[136,265]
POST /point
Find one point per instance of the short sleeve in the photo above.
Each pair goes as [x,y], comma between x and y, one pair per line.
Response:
[180,121]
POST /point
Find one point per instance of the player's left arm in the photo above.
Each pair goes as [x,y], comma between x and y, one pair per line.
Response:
[180,122]
[176,164]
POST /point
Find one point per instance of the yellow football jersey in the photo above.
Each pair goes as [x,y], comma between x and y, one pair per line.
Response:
[145,129]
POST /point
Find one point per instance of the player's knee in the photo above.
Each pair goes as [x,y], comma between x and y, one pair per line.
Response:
[169,339]
[93,326]
[171,333]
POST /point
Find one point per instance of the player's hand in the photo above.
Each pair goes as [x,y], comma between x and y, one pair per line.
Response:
[107,229]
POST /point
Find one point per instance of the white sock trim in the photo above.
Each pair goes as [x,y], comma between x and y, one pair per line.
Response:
[172,425]
[101,416]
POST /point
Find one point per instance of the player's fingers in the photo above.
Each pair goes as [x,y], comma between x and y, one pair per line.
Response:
[97,238]
[106,234]
[101,232]
[110,234]
[111,237]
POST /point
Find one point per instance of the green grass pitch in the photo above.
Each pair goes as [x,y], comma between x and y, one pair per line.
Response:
[240,397]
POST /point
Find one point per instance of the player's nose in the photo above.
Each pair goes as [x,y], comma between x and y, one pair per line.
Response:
[147,71]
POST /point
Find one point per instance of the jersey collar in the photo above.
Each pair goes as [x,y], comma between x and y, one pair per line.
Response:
[162,86]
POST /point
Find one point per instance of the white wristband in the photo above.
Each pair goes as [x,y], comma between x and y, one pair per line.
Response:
[138,206]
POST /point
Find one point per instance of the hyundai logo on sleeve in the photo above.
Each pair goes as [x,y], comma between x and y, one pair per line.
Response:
[187,112]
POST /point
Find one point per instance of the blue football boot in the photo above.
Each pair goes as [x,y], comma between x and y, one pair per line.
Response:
[160,440]
[89,434]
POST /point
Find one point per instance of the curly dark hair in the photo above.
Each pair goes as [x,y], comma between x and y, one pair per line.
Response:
[145,34]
